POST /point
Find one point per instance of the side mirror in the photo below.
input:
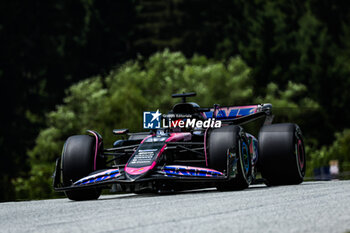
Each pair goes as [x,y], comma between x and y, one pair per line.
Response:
[120,131]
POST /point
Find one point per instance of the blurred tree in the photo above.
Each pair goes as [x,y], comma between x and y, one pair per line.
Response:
[44,48]
[303,42]
[338,150]
[189,26]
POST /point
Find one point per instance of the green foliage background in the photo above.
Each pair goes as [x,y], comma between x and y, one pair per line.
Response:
[70,65]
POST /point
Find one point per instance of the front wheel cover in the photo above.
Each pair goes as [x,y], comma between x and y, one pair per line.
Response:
[243,177]
[77,162]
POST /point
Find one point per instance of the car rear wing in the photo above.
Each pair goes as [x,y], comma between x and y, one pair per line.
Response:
[239,114]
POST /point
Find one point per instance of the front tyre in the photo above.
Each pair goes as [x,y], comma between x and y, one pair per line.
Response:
[282,154]
[224,142]
[78,162]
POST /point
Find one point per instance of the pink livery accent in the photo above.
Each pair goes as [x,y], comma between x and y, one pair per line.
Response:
[146,138]
[139,170]
[300,151]
[205,147]
[174,137]
[96,147]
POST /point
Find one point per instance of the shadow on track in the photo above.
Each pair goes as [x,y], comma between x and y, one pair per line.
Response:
[186,192]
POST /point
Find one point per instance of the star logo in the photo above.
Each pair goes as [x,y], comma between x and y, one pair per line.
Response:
[151,120]
[155,115]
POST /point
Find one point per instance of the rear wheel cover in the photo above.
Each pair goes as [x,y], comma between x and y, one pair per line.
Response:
[281,154]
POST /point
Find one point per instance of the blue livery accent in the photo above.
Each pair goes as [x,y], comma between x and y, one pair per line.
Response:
[231,112]
[172,171]
[109,174]
[245,151]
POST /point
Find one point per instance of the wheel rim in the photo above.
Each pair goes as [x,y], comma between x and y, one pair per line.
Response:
[245,157]
[300,156]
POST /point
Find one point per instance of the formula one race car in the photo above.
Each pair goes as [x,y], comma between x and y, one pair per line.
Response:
[226,155]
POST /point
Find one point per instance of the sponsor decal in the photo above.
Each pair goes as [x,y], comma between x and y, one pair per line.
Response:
[143,157]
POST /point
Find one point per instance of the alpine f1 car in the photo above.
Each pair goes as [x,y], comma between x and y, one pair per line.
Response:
[227,155]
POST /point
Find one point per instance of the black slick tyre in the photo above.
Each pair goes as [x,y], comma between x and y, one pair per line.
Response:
[281,154]
[221,142]
[78,161]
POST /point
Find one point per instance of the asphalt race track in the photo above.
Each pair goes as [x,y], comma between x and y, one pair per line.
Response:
[309,207]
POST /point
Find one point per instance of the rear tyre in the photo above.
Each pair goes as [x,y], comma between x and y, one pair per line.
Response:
[281,154]
[77,162]
[230,140]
